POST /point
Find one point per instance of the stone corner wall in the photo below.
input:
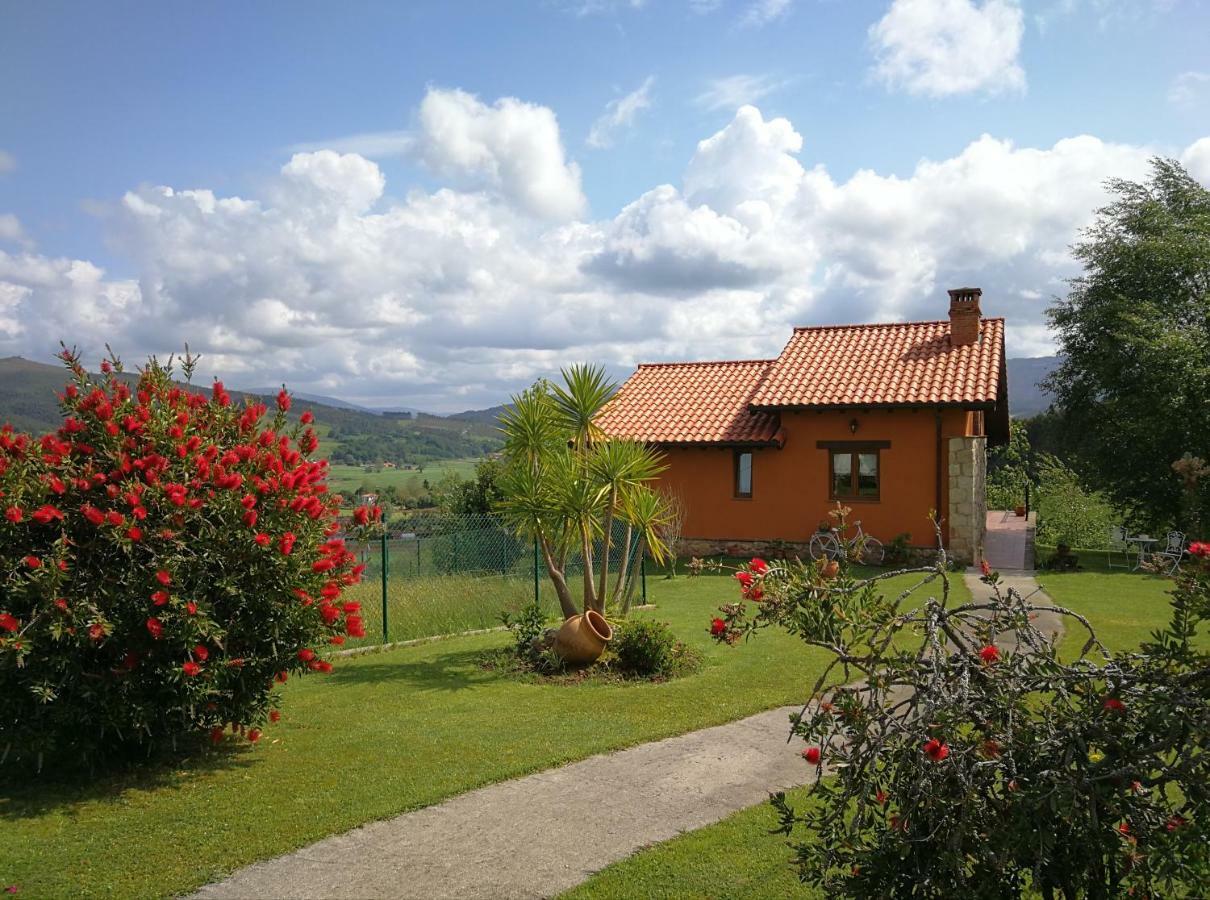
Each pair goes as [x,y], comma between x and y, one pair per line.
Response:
[967,513]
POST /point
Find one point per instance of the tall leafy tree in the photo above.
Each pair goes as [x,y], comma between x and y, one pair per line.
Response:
[1134,334]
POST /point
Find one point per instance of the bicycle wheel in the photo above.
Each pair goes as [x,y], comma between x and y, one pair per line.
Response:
[822,545]
[873,553]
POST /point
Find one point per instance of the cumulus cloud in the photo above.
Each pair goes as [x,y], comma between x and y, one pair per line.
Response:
[512,148]
[10,228]
[619,115]
[454,297]
[733,91]
[7,162]
[940,48]
[1196,160]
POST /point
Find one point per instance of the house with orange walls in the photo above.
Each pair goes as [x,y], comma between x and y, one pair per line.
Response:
[891,420]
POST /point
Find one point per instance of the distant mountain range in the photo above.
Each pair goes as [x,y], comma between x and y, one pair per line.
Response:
[27,400]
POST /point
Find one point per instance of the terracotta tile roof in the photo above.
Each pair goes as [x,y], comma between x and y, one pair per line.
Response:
[691,403]
[904,363]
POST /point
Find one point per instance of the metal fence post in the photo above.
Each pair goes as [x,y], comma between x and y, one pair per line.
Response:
[386,634]
[643,575]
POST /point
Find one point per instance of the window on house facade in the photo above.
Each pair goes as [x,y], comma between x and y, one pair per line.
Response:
[854,474]
[743,474]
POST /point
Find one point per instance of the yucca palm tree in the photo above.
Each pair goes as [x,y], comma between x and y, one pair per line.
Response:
[566,482]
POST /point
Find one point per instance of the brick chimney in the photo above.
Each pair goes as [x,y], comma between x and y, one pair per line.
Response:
[964,316]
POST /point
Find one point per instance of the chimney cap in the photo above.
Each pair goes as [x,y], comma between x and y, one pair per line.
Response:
[965,294]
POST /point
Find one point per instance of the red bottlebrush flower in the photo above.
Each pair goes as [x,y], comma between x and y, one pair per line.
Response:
[355,626]
[250,518]
[9,622]
[44,515]
[286,545]
[935,750]
[253,735]
[991,749]
[274,715]
[352,606]
[163,577]
[1175,822]
[33,562]
[1199,549]
[1113,704]
[216,734]
[990,654]
[306,654]
[134,533]
[758,565]
[159,598]
[191,668]
[113,517]
[811,755]
[361,515]
[985,568]
[881,797]
[247,501]
[281,677]
[200,652]
[1124,828]
[61,603]
[14,514]
[306,418]
[191,608]
[283,400]
[262,540]
[322,565]
[155,627]
[336,639]
[323,666]
[96,631]
[745,579]
[330,614]
[139,513]
[717,627]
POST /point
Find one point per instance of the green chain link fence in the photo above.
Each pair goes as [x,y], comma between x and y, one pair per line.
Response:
[436,573]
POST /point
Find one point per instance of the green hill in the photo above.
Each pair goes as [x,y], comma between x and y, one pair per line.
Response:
[351,436]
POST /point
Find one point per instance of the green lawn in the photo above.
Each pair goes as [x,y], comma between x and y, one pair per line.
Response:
[738,858]
[383,734]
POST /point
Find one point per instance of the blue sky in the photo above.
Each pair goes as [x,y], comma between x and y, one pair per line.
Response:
[109,101]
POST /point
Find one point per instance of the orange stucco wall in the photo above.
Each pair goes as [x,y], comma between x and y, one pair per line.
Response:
[790,484]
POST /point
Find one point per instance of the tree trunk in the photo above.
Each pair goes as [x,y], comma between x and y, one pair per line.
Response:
[639,553]
[590,588]
[623,565]
[603,588]
[559,580]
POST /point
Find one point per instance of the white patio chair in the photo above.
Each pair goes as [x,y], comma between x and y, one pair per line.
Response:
[1118,543]
[1174,551]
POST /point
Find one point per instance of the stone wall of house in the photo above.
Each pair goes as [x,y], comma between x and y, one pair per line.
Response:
[708,549]
[967,499]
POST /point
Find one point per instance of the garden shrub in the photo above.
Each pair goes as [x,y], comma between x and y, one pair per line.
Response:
[970,760]
[169,557]
[1068,513]
[644,648]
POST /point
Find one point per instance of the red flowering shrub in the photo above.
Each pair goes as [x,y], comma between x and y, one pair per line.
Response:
[167,557]
[969,759]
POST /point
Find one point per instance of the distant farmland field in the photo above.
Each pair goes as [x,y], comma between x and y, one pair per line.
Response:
[347,479]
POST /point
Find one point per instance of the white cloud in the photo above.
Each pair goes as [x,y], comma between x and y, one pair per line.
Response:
[733,91]
[1196,160]
[511,148]
[372,144]
[1190,90]
[619,115]
[944,47]
[454,297]
[7,162]
[10,228]
[761,12]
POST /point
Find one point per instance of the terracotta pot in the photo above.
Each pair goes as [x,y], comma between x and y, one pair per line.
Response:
[831,569]
[583,638]
[1020,511]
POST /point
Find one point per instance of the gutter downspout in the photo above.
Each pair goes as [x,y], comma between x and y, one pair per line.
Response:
[940,514]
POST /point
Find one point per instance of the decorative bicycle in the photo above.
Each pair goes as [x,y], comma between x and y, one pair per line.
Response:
[862,548]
